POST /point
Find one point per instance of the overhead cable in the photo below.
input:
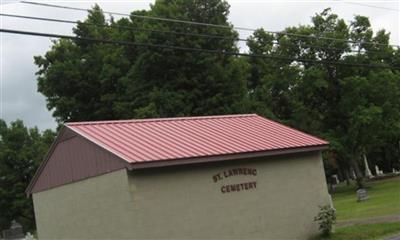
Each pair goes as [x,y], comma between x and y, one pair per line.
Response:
[210,51]
[221,37]
[172,20]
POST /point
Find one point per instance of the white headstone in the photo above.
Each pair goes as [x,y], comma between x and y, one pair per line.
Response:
[377,170]
[29,236]
[336,178]
[367,171]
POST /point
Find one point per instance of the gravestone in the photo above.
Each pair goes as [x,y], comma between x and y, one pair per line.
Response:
[15,232]
[29,236]
[362,195]
[378,171]
[336,178]
[368,173]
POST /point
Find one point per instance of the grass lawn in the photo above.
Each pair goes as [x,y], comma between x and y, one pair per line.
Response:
[384,199]
[365,232]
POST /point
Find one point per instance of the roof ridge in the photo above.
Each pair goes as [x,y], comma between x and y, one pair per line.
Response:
[159,119]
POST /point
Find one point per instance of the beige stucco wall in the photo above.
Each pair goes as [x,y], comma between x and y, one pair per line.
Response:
[89,209]
[185,202]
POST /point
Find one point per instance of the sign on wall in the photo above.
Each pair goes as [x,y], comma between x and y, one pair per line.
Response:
[236,187]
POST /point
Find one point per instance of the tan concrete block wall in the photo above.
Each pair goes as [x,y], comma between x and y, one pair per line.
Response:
[185,202]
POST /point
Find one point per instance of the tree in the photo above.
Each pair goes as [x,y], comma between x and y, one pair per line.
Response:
[355,108]
[87,81]
[21,151]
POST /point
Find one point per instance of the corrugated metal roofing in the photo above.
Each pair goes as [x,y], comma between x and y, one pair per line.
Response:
[150,140]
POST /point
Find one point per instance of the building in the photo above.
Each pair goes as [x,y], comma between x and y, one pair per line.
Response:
[233,176]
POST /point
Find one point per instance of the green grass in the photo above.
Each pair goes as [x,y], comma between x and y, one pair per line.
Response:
[384,199]
[364,232]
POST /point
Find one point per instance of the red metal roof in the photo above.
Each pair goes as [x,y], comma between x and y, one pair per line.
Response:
[151,140]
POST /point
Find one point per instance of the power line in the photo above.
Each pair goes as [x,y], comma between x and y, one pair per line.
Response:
[140,16]
[208,24]
[220,52]
[371,6]
[124,27]
[171,32]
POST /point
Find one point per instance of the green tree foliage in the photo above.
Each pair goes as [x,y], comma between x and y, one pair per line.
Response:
[86,81]
[94,81]
[21,151]
[355,108]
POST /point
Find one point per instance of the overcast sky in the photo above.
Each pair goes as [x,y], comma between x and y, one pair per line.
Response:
[19,98]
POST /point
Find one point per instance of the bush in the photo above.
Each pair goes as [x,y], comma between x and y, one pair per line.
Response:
[326,218]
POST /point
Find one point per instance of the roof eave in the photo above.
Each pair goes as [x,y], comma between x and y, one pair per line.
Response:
[218,158]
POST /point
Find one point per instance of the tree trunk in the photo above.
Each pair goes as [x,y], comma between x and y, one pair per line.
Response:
[357,169]
[387,161]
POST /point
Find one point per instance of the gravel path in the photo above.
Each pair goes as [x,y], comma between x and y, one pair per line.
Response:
[393,238]
[390,218]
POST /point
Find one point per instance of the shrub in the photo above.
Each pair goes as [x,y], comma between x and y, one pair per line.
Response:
[326,218]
